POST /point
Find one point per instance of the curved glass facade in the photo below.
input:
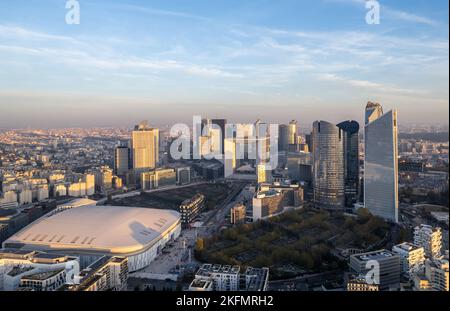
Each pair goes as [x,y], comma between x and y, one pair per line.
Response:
[328,166]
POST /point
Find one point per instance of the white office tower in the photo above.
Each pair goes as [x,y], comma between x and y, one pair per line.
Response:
[430,239]
[381,163]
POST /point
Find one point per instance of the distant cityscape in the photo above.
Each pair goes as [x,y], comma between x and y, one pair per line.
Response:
[232,207]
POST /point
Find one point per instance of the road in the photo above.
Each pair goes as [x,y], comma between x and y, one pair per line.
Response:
[178,252]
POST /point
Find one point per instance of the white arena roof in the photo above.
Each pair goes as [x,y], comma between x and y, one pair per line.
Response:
[112,229]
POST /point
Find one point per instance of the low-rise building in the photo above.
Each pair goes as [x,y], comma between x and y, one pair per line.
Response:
[191,208]
[411,256]
[383,266]
[16,264]
[238,214]
[360,284]
[430,238]
[228,278]
[44,281]
[158,178]
[437,273]
[107,273]
[274,199]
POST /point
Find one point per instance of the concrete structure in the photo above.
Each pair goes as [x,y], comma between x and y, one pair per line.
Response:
[384,265]
[158,178]
[359,284]
[44,281]
[273,199]
[381,164]
[103,178]
[16,264]
[105,274]
[430,239]
[238,214]
[191,208]
[228,278]
[437,273]
[411,256]
[91,232]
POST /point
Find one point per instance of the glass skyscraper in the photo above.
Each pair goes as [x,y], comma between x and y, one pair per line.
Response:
[381,165]
[351,161]
[328,166]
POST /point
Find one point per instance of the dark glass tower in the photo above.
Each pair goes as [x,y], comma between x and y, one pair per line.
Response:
[351,161]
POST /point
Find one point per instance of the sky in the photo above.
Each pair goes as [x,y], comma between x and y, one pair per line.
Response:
[168,60]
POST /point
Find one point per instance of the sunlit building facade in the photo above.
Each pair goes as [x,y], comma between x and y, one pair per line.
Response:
[381,166]
[144,147]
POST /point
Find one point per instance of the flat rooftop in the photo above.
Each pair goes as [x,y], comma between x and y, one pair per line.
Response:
[376,255]
[207,269]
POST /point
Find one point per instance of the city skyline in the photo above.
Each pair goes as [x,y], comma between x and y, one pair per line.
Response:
[240,61]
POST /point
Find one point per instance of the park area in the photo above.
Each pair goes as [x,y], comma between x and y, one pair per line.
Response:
[296,242]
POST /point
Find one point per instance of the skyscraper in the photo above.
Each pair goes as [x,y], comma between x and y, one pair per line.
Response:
[293,136]
[328,166]
[145,147]
[121,160]
[283,139]
[373,112]
[351,161]
[381,163]
[221,124]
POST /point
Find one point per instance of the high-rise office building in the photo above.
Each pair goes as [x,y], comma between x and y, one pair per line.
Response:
[283,137]
[373,112]
[351,161]
[221,123]
[144,147]
[292,133]
[122,157]
[293,136]
[328,166]
[381,163]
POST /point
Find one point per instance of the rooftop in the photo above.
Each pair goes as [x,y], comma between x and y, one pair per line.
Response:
[42,276]
[112,229]
[376,255]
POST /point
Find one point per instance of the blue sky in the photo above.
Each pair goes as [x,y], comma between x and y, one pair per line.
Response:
[168,60]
